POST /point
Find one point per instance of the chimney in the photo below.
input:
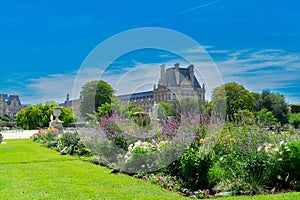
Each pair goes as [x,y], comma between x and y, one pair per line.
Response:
[162,80]
[177,73]
[191,70]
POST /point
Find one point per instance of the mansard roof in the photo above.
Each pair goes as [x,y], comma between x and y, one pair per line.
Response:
[184,73]
[137,96]
[9,98]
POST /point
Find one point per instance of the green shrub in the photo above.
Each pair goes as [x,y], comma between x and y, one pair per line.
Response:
[64,142]
[294,119]
[1,138]
[291,163]
[248,157]
[193,169]
[295,108]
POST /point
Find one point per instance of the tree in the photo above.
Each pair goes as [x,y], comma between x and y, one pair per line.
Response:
[29,118]
[295,108]
[95,93]
[236,96]
[165,109]
[109,108]
[187,105]
[6,118]
[276,104]
[294,120]
[67,116]
[257,100]
[266,118]
[33,117]
[244,117]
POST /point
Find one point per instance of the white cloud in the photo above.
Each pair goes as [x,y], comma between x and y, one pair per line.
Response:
[52,87]
[256,70]
[57,86]
[274,69]
[196,50]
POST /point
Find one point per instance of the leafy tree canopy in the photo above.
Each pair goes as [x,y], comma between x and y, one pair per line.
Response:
[236,98]
[266,118]
[276,104]
[295,108]
[95,94]
[33,117]
[294,120]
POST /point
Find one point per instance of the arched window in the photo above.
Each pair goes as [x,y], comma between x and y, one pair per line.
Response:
[173,97]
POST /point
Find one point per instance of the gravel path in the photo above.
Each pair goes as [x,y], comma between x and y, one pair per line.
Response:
[18,134]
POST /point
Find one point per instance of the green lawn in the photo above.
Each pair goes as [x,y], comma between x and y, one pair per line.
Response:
[282,196]
[29,171]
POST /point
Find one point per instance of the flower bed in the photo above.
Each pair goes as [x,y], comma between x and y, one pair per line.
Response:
[189,154]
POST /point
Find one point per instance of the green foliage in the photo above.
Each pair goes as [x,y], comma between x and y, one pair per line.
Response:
[7,124]
[33,117]
[194,168]
[187,105]
[236,97]
[285,172]
[165,109]
[5,118]
[1,138]
[104,109]
[257,100]
[108,108]
[29,118]
[239,99]
[249,161]
[244,117]
[295,108]
[294,119]
[95,93]
[276,104]
[139,115]
[64,142]
[266,118]
[293,160]
[67,117]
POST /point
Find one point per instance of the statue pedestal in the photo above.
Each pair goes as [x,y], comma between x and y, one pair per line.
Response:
[56,124]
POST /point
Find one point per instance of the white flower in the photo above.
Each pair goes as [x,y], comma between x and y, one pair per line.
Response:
[259,148]
[287,148]
[281,143]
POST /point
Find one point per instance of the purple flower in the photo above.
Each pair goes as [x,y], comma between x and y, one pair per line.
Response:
[192,195]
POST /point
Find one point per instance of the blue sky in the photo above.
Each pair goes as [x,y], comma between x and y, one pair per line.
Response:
[43,43]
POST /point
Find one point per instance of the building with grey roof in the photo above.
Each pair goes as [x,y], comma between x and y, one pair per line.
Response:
[174,83]
[10,105]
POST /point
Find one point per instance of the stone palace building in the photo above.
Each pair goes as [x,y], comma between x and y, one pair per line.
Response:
[10,105]
[174,83]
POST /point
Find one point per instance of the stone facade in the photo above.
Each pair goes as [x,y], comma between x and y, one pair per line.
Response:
[144,100]
[10,105]
[73,104]
[174,83]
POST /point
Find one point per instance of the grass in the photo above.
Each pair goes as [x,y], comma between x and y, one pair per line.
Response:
[30,171]
[282,196]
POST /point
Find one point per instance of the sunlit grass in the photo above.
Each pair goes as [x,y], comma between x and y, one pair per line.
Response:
[29,171]
[282,196]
